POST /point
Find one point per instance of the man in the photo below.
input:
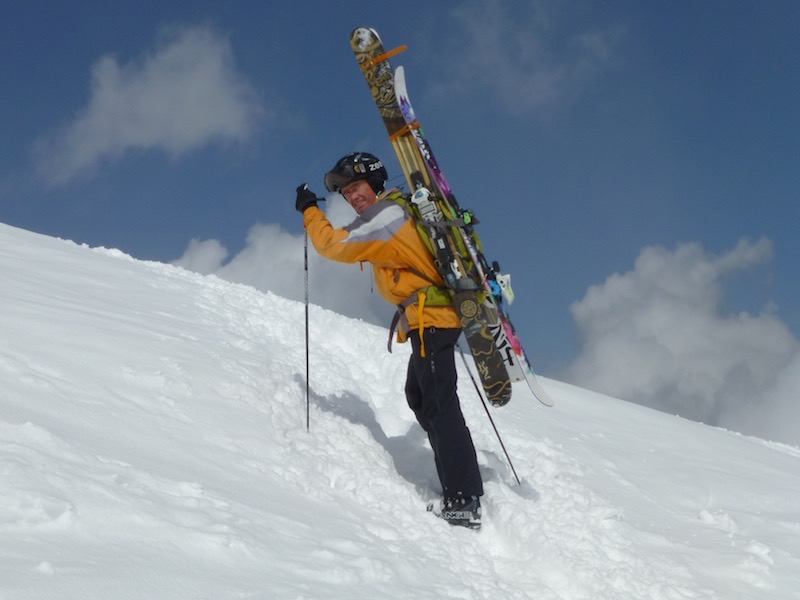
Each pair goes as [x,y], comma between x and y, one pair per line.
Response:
[385,235]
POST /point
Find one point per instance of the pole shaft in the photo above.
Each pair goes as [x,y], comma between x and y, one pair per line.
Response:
[488,414]
[308,392]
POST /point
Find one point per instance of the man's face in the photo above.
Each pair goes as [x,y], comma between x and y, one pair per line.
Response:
[359,194]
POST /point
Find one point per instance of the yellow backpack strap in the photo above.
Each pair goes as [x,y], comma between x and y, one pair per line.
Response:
[440,297]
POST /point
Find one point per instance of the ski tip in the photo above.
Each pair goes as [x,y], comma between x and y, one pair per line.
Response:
[400,89]
[363,37]
[400,82]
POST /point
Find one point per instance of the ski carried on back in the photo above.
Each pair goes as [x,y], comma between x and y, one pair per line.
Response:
[496,284]
[478,290]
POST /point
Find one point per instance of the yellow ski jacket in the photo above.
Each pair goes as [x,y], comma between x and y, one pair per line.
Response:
[386,236]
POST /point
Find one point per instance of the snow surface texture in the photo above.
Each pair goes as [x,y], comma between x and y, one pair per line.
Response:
[153,445]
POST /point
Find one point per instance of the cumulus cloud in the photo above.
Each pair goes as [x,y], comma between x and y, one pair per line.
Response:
[203,256]
[273,260]
[529,55]
[183,95]
[657,336]
[779,417]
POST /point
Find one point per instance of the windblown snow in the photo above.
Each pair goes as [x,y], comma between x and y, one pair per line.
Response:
[153,444]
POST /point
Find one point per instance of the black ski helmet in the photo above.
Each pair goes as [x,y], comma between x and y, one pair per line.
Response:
[355,166]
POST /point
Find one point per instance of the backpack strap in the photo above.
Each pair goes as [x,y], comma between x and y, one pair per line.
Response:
[434,292]
[420,298]
[400,318]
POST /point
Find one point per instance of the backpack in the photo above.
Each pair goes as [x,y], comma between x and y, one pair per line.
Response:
[434,294]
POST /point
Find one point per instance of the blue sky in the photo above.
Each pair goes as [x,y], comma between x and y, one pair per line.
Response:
[605,146]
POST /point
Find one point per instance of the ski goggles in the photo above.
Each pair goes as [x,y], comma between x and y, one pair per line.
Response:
[342,174]
[335,181]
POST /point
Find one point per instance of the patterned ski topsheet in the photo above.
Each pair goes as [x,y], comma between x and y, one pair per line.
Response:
[505,335]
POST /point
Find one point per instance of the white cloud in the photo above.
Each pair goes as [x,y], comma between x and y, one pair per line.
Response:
[272,260]
[779,417]
[656,336]
[182,96]
[203,256]
[530,55]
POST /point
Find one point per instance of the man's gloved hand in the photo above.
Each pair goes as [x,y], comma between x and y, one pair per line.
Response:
[305,198]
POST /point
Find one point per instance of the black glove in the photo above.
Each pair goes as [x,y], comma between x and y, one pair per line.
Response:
[305,198]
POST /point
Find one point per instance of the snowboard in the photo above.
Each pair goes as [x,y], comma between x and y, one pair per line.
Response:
[467,294]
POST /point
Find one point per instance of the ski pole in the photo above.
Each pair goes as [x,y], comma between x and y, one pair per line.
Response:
[488,414]
[308,393]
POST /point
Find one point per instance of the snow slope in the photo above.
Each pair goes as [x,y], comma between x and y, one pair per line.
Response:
[153,445]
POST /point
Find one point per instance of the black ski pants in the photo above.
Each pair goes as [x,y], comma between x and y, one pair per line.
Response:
[431,394]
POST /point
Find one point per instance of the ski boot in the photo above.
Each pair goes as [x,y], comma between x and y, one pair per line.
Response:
[459,511]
